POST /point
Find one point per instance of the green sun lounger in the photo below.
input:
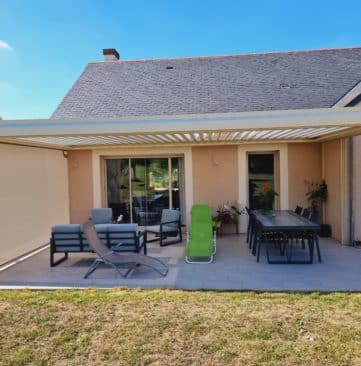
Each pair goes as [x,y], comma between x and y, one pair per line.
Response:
[201,242]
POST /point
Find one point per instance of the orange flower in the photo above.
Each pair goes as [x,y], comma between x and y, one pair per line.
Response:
[266,186]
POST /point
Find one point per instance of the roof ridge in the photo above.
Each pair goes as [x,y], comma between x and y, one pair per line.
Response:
[320,50]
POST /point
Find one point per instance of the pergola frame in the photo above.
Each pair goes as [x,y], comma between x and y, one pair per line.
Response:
[306,125]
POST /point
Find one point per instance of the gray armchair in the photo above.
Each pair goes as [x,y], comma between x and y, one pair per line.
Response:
[102,215]
[170,225]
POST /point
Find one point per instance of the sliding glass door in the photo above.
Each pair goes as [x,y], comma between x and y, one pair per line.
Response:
[139,189]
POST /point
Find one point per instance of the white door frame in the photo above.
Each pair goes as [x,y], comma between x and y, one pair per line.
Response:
[186,152]
[243,151]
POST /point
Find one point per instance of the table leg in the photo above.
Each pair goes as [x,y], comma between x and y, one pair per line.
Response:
[318,248]
[259,243]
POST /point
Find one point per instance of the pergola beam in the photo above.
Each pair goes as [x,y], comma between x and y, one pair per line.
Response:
[229,122]
[315,125]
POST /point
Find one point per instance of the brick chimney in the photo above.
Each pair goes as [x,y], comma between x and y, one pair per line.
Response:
[110,54]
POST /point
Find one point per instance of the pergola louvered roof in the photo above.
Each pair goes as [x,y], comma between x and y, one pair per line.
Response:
[230,128]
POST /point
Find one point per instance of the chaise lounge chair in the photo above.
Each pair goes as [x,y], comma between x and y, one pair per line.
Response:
[201,241]
[115,259]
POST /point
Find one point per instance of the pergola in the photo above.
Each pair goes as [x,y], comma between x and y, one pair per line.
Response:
[306,125]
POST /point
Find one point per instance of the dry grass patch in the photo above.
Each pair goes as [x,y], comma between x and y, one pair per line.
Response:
[165,327]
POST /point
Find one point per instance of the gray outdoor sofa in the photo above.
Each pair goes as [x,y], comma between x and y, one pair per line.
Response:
[70,238]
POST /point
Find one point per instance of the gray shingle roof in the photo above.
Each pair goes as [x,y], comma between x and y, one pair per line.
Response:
[269,81]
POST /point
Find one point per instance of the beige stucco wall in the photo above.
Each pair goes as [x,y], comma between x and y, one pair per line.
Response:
[215,174]
[332,175]
[304,163]
[80,185]
[33,197]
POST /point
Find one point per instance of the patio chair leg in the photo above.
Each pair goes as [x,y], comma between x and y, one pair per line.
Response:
[254,243]
[162,273]
[250,236]
[93,267]
[311,246]
[145,248]
[53,262]
[121,274]
[289,256]
[259,247]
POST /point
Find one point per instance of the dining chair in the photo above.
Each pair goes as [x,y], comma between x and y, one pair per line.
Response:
[306,213]
[315,217]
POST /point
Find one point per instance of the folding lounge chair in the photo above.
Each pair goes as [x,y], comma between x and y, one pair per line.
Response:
[201,241]
[118,260]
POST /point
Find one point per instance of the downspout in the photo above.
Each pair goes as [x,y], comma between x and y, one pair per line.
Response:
[351,194]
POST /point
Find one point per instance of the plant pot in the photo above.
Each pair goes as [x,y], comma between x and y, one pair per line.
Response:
[325,231]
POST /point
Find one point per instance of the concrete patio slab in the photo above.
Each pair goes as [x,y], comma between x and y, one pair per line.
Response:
[234,269]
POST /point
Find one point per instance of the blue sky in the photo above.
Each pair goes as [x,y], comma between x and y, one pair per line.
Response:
[45,45]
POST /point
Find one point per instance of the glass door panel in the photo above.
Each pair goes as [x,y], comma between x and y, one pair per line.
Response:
[260,170]
[150,189]
[157,188]
[175,183]
[138,185]
[118,192]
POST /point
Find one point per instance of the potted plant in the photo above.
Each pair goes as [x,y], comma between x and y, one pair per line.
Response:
[226,214]
[266,196]
[316,195]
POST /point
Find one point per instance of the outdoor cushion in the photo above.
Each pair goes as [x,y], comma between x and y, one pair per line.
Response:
[125,234]
[66,237]
[201,213]
[123,227]
[165,229]
[202,248]
[200,243]
[169,216]
[66,228]
[102,215]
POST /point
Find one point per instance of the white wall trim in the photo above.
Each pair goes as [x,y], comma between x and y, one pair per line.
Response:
[349,96]
[344,191]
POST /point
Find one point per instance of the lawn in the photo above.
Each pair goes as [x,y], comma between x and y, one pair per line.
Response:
[169,327]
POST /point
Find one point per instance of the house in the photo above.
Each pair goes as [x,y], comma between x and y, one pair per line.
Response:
[142,135]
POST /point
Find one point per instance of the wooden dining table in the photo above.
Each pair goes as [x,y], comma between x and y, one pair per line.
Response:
[285,229]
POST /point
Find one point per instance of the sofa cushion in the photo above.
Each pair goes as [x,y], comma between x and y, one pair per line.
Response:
[66,228]
[123,233]
[102,215]
[123,227]
[66,238]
